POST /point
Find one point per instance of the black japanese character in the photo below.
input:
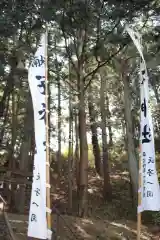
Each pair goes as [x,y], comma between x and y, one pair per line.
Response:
[136,37]
[37,191]
[35,204]
[146,134]
[144,168]
[43,112]
[42,86]
[38,77]
[143,80]
[144,154]
[44,144]
[144,180]
[38,61]
[38,176]
[42,83]
[149,182]
[33,218]
[149,194]
[150,172]
[144,108]
[143,72]
[144,194]
[144,160]
[150,160]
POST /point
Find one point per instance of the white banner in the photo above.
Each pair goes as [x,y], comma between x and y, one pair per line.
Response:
[37,227]
[150,190]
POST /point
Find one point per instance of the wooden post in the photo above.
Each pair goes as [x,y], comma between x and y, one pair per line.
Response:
[48,203]
[139,198]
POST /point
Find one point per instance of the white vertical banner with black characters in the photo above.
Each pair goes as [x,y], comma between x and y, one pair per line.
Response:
[37,226]
[150,190]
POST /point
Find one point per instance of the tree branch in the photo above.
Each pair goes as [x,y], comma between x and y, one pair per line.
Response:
[91,74]
[67,48]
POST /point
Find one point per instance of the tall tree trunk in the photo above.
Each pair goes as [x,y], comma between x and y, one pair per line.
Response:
[15,107]
[25,149]
[132,161]
[123,124]
[6,93]
[59,161]
[76,154]
[83,169]
[70,152]
[11,157]
[107,189]
[14,123]
[5,114]
[108,115]
[9,86]
[95,144]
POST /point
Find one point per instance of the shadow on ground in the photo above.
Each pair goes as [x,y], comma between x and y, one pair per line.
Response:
[115,220]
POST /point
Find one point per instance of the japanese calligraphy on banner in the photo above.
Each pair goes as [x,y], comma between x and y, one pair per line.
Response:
[150,190]
[37,227]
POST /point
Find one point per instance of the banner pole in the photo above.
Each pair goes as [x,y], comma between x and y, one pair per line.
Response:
[139,215]
[139,226]
[48,202]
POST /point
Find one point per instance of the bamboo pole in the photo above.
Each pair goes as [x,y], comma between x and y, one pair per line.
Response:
[48,202]
[139,198]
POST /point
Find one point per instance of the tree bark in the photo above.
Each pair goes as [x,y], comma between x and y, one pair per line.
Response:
[5,114]
[59,126]
[108,115]
[76,153]
[107,189]
[95,144]
[83,173]
[15,108]
[70,152]
[7,91]
[83,164]
[132,161]
[25,149]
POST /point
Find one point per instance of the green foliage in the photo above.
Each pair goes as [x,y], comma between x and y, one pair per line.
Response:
[65,153]
[90,155]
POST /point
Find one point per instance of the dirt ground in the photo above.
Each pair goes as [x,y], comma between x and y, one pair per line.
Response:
[115,220]
[88,228]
